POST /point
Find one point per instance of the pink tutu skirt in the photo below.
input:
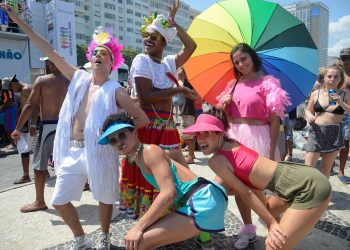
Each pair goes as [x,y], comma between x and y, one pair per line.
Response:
[256,137]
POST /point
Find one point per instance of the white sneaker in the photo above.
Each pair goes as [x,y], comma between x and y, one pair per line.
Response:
[81,242]
[104,241]
[208,245]
[244,239]
[288,158]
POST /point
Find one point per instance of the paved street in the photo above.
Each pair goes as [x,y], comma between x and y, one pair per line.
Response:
[46,230]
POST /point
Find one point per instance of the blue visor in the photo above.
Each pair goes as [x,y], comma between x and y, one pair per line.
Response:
[111,129]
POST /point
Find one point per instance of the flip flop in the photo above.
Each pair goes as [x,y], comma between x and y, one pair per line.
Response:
[31,208]
[22,180]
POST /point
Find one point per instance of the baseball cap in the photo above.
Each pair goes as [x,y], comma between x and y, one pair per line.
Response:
[345,52]
[205,123]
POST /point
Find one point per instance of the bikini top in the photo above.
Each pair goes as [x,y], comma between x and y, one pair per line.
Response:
[242,161]
[319,109]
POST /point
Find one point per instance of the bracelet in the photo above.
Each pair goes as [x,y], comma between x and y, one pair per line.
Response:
[171,21]
[33,126]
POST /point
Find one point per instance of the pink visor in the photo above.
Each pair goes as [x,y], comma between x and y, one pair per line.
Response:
[205,123]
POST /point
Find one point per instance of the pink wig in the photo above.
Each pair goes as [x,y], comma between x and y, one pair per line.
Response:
[103,39]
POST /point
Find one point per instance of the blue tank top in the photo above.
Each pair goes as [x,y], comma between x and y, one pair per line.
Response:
[181,186]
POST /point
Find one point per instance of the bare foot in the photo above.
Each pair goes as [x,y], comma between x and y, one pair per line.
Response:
[33,207]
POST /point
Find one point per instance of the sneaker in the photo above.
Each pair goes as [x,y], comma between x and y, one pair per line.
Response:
[208,245]
[81,242]
[289,158]
[104,241]
[245,238]
[344,179]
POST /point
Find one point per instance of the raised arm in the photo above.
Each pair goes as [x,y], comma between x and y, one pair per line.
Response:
[125,102]
[155,160]
[45,47]
[222,168]
[189,44]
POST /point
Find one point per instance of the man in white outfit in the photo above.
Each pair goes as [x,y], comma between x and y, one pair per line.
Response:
[77,156]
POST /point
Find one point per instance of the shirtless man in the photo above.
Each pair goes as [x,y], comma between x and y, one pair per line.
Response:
[47,95]
[29,128]
[344,62]
[78,157]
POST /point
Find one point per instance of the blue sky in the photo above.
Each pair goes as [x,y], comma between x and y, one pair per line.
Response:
[339,20]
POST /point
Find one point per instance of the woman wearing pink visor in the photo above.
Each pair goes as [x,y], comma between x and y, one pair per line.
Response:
[302,192]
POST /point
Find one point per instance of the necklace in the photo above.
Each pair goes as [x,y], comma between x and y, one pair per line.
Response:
[131,159]
[156,59]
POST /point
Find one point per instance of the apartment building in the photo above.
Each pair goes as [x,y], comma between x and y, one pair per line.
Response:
[315,16]
[124,18]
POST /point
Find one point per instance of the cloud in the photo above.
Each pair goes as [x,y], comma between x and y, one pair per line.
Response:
[341,44]
[339,33]
[340,26]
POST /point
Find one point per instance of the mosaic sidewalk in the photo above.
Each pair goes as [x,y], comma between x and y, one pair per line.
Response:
[329,223]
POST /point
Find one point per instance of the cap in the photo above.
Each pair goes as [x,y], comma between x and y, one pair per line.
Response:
[6,83]
[111,129]
[345,52]
[205,123]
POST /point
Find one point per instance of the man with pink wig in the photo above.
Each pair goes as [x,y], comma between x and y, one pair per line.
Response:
[77,156]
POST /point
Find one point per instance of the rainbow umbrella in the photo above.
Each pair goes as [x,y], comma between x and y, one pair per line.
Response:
[280,39]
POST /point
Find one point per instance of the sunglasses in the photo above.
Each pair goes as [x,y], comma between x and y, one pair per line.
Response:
[154,36]
[114,140]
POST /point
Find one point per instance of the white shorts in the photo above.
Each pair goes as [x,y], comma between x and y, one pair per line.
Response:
[71,178]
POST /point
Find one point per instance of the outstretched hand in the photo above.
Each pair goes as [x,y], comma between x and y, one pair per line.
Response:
[173,9]
[10,11]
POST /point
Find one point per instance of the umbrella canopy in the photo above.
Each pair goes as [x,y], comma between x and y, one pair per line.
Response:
[280,39]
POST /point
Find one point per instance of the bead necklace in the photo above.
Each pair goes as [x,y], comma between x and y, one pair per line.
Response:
[138,149]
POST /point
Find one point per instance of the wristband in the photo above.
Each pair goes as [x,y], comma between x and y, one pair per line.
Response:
[171,21]
[33,126]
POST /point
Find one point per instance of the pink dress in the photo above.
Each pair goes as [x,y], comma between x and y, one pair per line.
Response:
[255,99]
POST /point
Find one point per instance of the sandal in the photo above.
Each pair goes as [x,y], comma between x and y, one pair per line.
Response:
[32,208]
[23,179]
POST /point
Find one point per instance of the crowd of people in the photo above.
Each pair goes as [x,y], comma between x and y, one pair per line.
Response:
[88,121]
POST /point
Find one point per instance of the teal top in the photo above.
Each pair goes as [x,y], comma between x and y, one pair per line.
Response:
[181,186]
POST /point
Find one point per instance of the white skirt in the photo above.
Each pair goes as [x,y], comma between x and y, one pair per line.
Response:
[256,137]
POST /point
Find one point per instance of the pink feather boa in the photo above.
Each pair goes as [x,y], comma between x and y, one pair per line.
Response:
[277,99]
